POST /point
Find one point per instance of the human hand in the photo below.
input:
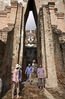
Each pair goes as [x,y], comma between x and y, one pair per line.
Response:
[16,81]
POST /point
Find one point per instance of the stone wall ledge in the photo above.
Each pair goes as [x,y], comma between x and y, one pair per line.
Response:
[14,3]
[8,8]
[60,15]
[7,29]
[11,26]
[55,30]
[51,5]
[3,13]
[60,34]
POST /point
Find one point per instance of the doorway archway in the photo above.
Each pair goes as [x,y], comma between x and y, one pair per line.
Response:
[30,36]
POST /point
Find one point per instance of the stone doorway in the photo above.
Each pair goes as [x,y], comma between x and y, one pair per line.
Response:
[30,37]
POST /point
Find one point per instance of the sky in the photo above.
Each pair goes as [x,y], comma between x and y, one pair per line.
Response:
[30,24]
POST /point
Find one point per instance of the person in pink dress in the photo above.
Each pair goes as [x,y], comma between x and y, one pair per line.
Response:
[15,81]
[40,73]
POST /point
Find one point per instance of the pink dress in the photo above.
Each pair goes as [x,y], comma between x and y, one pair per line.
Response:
[40,73]
[15,77]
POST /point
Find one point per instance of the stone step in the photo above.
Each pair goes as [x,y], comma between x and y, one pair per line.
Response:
[32,92]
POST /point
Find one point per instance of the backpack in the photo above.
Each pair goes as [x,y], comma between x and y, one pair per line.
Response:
[20,75]
[35,69]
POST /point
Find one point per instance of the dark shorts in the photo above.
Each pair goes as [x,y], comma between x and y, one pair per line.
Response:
[40,82]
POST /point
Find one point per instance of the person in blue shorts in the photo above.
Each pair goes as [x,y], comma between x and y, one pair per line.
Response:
[28,71]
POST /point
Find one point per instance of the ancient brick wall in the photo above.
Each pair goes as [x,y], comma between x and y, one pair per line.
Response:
[47,48]
[41,44]
[58,53]
[10,35]
[2,51]
[4,3]
[59,3]
[50,46]
[3,36]
[7,22]
[59,59]
[17,36]
[63,50]
[47,44]
[7,62]
[57,18]
[8,16]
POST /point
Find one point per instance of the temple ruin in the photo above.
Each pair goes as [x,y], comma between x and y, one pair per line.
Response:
[46,44]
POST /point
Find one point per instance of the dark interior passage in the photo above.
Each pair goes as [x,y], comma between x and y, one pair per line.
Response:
[31,54]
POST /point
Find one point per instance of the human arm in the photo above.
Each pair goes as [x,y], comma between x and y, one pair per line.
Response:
[37,72]
[16,76]
[26,71]
[20,75]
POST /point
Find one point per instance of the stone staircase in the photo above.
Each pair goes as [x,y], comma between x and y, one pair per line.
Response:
[28,92]
[31,91]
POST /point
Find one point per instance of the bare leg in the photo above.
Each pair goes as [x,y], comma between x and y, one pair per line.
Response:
[18,90]
[30,77]
[13,88]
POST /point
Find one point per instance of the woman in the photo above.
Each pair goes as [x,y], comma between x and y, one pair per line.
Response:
[40,73]
[15,81]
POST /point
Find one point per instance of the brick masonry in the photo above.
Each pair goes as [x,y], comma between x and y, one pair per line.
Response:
[51,42]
